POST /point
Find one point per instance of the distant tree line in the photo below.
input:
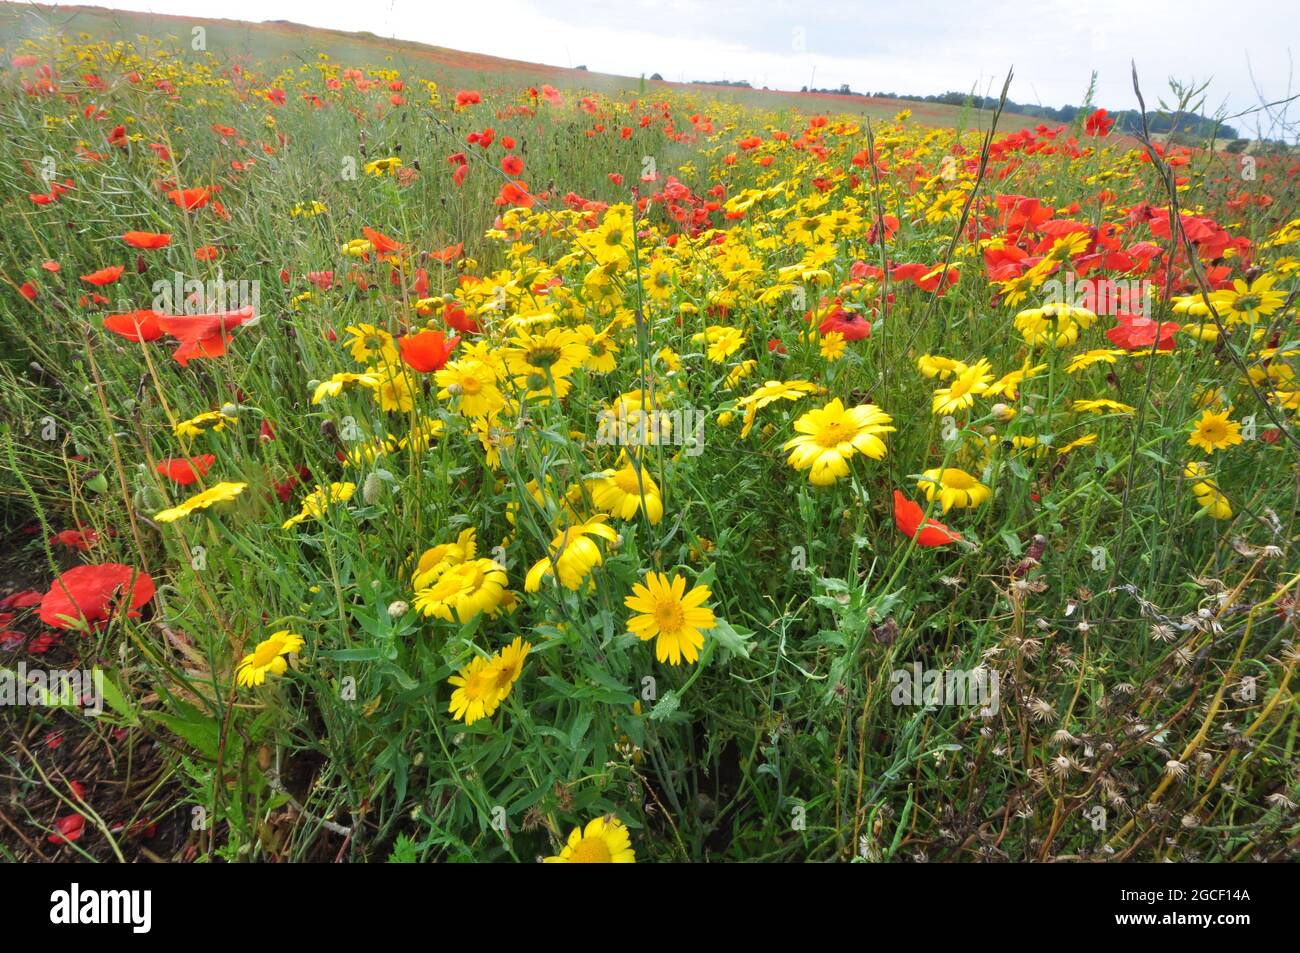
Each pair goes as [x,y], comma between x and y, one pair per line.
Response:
[1126,120]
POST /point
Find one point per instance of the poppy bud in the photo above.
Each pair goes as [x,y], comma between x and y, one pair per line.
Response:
[372,490]
[148,499]
[1002,413]
[397,609]
[229,410]
[140,266]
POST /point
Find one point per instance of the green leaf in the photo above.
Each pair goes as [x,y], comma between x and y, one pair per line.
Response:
[117,701]
[734,640]
[351,655]
[667,705]
[195,728]
[579,728]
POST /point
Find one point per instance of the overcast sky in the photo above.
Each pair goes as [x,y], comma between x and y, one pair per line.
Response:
[905,46]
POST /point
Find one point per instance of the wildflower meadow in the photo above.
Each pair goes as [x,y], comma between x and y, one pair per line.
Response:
[417,462]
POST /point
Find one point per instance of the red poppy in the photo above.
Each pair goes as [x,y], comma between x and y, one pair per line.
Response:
[105,276]
[87,594]
[29,291]
[1098,124]
[191,199]
[203,335]
[426,351]
[135,325]
[457,317]
[468,97]
[206,253]
[448,254]
[80,540]
[380,241]
[284,488]
[185,471]
[852,325]
[515,194]
[147,240]
[69,828]
[512,166]
[1135,333]
[23,599]
[911,522]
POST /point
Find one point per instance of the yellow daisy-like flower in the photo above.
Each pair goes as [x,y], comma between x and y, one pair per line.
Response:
[394,389]
[308,209]
[1096,356]
[832,346]
[268,658]
[1243,302]
[674,618]
[604,841]
[465,589]
[493,436]
[383,166]
[1208,495]
[739,372]
[659,281]
[829,436]
[572,555]
[475,696]
[341,382]
[370,344]
[213,420]
[556,352]
[1084,441]
[722,342]
[769,393]
[474,384]
[936,365]
[506,666]
[965,387]
[1214,431]
[1008,385]
[1053,325]
[952,487]
[621,493]
[315,503]
[604,352]
[1101,405]
[221,493]
[433,562]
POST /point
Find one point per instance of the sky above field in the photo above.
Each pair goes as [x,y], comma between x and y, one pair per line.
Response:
[915,47]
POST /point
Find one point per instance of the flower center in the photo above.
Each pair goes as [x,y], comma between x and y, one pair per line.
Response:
[592,850]
[834,434]
[669,616]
